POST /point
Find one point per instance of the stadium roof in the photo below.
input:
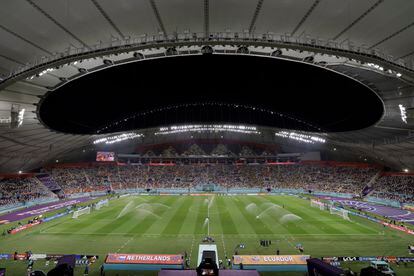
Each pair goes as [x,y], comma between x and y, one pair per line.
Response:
[45,44]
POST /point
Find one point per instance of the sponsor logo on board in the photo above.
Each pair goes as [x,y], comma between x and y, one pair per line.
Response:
[271,259]
[144,259]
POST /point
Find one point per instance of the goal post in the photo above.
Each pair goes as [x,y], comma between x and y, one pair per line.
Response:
[101,204]
[83,211]
[317,204]
[339,212]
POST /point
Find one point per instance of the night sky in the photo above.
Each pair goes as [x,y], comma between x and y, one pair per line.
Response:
[211,88]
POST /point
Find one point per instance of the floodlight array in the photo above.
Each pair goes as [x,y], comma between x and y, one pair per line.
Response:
[305,138]
[207,128]
[403,113]
[41,73]
[380,68]
[20,117]
[118,138]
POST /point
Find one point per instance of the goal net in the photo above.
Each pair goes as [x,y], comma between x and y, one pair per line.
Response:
[317,204]
[83,211]
[101,204]
[339,212]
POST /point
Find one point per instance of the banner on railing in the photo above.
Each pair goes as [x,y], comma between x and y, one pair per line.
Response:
[144,259]
[270,259]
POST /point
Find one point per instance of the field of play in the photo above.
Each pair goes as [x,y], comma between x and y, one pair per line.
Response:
[177,224]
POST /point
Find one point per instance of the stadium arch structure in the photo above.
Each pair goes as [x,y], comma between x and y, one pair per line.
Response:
[34,64]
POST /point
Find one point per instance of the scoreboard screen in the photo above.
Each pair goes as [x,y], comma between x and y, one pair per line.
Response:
[102,156]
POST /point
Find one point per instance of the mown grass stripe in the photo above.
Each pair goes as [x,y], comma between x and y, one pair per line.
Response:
[122,222]
[338,222]
[239,218]
[313,217]
[272,223]
[189,224]
[216,227]
[201,216]
[297,227]
[177,220]
[258,225]
[141,226]
[160,223]
[226,216]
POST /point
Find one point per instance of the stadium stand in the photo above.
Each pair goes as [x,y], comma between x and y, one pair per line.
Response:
[399,187]
[306,176]
[22,189]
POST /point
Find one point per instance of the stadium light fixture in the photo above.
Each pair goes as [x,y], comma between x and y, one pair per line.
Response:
[20,117]
[380,68]
[403,112]
[207,128]
[118,138]
[300,137]
[406,170]
[20,172]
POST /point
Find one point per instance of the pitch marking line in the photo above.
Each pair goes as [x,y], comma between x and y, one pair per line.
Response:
[191,249]
[224,247]
[290,243]
[128,241]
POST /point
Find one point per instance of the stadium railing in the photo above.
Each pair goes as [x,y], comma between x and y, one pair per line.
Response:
[13,207]
[383,201]
[287,191]
[343,195]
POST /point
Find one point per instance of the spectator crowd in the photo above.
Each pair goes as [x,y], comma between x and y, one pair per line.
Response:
[21,189]
[315,177]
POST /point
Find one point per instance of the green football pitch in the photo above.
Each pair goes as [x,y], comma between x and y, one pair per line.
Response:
[177,224]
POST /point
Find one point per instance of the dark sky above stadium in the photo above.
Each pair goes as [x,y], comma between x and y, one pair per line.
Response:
[211,88]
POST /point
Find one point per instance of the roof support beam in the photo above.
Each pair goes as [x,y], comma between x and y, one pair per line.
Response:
[24,39]
[393,35]
[48,16]
[308,13]
[255,16]
[369,10]
[206,18]
[12,59]
[106,16]
[158,16]
[406,55]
